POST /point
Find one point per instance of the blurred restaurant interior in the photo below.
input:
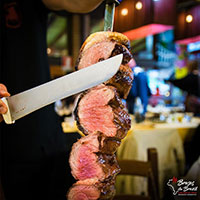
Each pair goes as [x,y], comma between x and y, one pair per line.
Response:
[165,44]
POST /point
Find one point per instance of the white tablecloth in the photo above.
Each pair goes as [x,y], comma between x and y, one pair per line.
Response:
[171,158]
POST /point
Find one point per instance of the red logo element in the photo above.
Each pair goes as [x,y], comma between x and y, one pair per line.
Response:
[183,187]
[174,180]
[12,15]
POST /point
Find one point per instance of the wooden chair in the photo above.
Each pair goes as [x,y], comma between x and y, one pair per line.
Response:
[147,169]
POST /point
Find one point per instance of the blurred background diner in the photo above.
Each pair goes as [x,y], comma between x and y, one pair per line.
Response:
[164,101]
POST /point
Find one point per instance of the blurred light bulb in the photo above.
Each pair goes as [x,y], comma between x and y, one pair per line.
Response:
[48,50]
[167,94]
[124,12]
[138,5]
[189,18]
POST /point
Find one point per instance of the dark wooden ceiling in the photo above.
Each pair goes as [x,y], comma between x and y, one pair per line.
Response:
[57,31]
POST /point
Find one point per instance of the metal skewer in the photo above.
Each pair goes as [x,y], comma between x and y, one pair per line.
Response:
[109,14]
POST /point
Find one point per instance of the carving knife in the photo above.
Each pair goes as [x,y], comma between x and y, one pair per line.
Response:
[26,102]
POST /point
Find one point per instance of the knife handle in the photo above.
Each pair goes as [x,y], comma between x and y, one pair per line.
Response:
[117,2]
[7,116]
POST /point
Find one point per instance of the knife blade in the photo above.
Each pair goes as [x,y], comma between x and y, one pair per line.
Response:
[26,102]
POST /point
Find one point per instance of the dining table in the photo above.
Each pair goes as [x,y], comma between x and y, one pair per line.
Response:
[168,139]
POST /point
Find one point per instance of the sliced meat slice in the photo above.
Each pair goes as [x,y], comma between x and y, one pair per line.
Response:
[87,162]
[91,189]
[100,110]
[96,53]
[106,187]
[103,50]
[83,192]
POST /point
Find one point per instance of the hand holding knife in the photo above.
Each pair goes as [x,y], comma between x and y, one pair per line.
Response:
[33,99]
[3,107]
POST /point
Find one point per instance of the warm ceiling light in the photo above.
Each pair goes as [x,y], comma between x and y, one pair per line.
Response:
[48,50]
[124,11]
[189,18]
[138,5]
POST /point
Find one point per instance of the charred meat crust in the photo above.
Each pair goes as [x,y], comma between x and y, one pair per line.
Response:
[107,191]
[108,145]
[122,80]
[105,36]
[122,121]
[119,48]
[109,164]
[107,188]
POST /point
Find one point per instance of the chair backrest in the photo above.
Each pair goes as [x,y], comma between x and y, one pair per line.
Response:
[147,169]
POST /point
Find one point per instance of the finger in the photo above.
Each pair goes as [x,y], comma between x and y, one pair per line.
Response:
[4,94]
[3,107]
[1,118]
[3,91]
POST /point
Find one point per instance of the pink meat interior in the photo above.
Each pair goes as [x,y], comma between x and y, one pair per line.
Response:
[83,159]
[97,52]
[88,165]
[83,192]
[94,112]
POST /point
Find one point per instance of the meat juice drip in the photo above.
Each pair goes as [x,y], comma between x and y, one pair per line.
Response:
[101,116]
